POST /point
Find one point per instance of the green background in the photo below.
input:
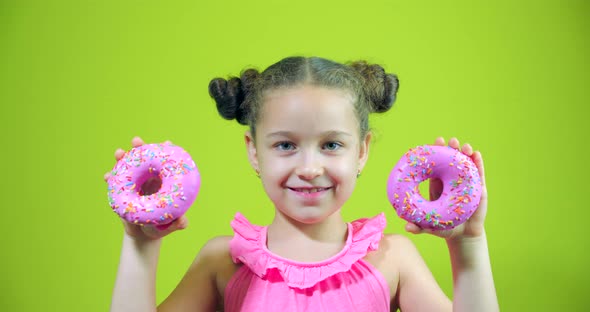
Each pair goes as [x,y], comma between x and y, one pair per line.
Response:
[81,78]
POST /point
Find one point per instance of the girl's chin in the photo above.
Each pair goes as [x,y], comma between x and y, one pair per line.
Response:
[307,214]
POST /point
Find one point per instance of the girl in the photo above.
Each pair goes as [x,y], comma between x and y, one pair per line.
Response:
[308,142]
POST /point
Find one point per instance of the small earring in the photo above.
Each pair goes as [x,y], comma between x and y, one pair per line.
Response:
[258,174]
[358,174]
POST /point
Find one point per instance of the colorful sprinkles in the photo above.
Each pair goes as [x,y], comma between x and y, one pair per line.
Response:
[165,162]
[461,187]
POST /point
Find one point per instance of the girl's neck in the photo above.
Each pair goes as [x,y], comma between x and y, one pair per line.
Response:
[306,242]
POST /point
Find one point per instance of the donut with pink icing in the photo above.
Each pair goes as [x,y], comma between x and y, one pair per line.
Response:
[461,187]
[153,184]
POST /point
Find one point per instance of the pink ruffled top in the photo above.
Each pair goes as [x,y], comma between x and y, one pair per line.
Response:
[344,282]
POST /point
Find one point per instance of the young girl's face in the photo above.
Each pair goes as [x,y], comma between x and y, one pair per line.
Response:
[308,151]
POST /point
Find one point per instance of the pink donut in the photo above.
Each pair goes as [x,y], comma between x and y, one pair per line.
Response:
[164,164]
[461,187]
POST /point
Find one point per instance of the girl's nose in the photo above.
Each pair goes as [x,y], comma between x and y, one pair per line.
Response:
[310,167]
[308,172]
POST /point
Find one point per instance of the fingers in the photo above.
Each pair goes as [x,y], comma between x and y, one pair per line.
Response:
[414,229]
[478,160]
[454,143]
[137,141]
[152,232]
[467,149]
[182,223]
[119,153]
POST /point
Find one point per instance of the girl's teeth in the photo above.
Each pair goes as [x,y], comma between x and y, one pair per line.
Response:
[313,190]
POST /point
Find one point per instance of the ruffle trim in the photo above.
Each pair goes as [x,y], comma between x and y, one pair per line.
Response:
[248,246]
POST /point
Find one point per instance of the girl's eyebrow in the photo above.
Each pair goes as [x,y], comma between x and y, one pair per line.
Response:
[325,133]
[335,133]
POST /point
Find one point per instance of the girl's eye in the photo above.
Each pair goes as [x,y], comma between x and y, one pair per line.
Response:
[332,146]
[285,146]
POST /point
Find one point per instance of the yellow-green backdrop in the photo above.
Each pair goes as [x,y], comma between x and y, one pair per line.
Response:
[80,78]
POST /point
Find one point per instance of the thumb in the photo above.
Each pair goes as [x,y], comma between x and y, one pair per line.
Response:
[178,224]
[413,228]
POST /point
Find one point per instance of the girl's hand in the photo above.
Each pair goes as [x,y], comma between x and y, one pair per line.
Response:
[147,232]
[474,226]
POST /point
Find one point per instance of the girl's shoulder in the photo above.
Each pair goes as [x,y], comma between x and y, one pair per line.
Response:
[215,254]
[396,250]
[394,243]
[391,258]
[218,262]
[402,266]
[216,246]
[209,272]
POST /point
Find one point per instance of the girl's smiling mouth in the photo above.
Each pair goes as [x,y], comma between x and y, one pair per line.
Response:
[309,192]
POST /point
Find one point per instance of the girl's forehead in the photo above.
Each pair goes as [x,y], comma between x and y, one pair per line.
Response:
[306,90]
[308,108]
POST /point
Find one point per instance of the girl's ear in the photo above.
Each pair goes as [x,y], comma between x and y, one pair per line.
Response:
[251,147]
[364,150]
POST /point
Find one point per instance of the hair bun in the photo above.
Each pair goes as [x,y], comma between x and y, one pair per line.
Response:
[391,85]
[249,77]
[380,88]
[229,95]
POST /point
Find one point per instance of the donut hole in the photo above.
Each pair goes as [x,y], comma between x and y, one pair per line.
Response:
[425,191]
[151,185]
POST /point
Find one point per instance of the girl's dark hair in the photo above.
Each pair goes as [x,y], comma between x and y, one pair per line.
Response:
[240,98]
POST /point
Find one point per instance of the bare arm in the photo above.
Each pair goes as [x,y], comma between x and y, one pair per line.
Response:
[473,283]
[135,286]
[418,290]
[198,290]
